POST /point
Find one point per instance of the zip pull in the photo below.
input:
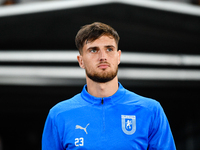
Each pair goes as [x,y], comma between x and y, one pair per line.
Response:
[102,101]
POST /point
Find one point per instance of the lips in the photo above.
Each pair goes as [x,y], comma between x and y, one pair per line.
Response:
[103,65]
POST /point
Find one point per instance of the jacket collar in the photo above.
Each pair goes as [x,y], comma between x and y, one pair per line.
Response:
[107,100]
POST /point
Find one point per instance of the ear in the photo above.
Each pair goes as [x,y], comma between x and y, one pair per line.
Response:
[80,61]
[119,56]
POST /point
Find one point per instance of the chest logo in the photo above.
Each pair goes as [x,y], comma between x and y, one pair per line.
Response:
[79,127]
[128,124]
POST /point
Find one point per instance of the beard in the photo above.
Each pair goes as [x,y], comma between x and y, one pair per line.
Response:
[102,77]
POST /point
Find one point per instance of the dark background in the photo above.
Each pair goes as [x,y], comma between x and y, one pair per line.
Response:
[23,108]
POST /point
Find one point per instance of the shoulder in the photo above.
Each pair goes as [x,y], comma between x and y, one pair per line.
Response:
[67,105]
[141,101]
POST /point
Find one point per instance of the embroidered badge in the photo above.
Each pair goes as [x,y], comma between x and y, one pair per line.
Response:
[128,124]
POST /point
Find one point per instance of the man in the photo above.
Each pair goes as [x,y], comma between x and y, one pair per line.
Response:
[105,115]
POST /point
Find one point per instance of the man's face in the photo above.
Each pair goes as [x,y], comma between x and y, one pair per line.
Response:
[100,59]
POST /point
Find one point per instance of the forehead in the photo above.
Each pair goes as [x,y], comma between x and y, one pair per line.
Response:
[100,42]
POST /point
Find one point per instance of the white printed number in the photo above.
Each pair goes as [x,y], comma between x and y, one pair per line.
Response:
[79,141]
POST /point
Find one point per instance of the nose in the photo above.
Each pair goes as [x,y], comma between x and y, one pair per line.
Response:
[102,55]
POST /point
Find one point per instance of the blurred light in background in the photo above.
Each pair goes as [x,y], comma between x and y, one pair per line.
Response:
[34,74]
[46,5]
[10,2]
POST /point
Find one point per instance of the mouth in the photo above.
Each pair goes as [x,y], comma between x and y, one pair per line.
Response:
[103,65]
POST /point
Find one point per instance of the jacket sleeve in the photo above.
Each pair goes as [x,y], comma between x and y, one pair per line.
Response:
[160,135]
[50,138]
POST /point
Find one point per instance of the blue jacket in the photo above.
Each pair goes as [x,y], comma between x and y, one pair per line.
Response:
[123,121]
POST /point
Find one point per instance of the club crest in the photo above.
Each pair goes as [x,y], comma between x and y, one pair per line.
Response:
[128,124]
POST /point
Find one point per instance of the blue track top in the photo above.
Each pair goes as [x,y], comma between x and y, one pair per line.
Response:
[124,121]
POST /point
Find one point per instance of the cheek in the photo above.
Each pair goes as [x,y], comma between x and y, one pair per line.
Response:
[87,64]
[89,61]
[116,61]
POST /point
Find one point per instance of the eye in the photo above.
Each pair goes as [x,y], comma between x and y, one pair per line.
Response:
[109,49]
[93,50]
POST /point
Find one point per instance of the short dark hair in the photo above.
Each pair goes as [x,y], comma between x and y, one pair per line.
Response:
[93,31]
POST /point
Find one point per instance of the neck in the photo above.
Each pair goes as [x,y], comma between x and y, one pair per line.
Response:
[102,89]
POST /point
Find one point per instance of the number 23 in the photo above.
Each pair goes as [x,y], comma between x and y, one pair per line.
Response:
[79,141]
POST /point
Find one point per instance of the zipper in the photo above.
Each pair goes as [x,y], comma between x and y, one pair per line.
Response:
[102,101]
[103,137]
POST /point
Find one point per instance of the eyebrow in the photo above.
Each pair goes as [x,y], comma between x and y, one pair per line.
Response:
[96,47]
[109,46]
